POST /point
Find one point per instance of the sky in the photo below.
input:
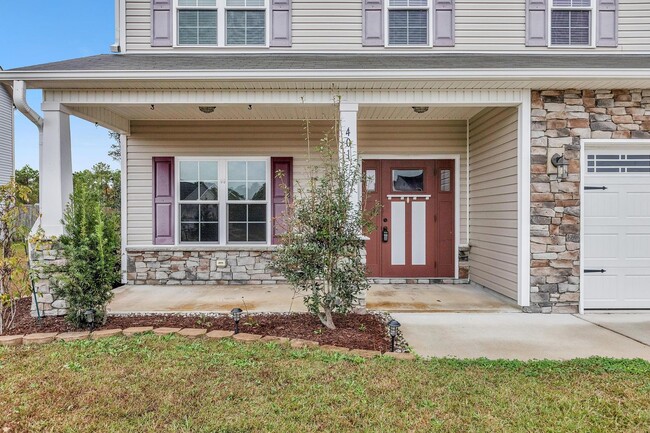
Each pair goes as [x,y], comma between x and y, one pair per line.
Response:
[41,31]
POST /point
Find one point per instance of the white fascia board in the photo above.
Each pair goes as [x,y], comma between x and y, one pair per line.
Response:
[327,74]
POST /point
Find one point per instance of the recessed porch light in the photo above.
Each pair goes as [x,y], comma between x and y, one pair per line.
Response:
[420,110]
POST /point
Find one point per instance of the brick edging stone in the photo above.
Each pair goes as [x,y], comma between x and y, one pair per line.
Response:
[295,343]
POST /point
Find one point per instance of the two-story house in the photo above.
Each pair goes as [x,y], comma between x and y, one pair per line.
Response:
[507,140]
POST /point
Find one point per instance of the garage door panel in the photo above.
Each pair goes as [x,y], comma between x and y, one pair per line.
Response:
[617,230]
[638,246]
[638,205]
[602,246]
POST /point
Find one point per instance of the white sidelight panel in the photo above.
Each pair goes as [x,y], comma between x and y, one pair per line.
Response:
[398,233]
[418,233]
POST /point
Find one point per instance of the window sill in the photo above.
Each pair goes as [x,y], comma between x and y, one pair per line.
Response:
[192,248]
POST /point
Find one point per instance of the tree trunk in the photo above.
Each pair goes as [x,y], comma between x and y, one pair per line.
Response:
[326,318]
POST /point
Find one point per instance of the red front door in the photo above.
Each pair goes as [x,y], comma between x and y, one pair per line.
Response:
[414,234]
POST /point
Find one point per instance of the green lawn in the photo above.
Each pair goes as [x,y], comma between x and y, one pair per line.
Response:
[170,384]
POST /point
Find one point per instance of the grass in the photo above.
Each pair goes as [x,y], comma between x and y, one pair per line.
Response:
[152,384]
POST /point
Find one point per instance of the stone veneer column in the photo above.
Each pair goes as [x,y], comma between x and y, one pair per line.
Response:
[561,119]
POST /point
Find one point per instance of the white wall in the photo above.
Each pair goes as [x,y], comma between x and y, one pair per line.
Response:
[493,215]
[6,136]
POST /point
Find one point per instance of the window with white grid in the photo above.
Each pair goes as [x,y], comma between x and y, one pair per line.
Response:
[221,22]
[571,22]
[245,22]
[408,22]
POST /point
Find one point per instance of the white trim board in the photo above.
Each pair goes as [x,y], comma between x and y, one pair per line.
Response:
[523,200]
[456,158]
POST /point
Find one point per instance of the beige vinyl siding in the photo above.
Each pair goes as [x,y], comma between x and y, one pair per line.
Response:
[417,138]
[268,138]
[497,25]
[6,136]
[327,25]
[493,196]
[138,25]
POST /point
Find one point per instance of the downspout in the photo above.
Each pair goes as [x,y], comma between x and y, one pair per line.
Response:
[20,102]
[115,48]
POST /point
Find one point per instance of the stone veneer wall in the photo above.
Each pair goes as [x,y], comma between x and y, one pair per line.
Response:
[43,256]
[562,118]
[199,267]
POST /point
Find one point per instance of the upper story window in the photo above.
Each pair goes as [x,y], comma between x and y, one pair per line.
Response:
[245,22]
[221,22]
[197,22]
[571,22]
[408,22]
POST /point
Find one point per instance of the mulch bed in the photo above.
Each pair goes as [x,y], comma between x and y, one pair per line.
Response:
[355,331]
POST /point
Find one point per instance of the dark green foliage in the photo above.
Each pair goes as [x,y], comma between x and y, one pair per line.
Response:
[91,247]
[103,181]
[321,252]
[28,177]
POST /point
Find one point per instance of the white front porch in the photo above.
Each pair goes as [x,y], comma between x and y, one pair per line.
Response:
[492,210]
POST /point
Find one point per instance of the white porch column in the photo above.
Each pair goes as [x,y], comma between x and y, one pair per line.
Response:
[349,139]
[55,169]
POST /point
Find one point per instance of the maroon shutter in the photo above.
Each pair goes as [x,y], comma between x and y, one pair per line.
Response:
[373,23]
[279,198]
[280,23]
[444,23]
[536,22]
[163,201]
[161,23]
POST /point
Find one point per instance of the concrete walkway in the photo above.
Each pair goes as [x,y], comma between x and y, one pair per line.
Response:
[205,299]
[521,336]
[281,298]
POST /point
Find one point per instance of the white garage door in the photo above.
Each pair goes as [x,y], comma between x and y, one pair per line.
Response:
[617,229]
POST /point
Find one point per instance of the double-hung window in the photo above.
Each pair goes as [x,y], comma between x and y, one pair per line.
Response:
[223,200]
[221,22]
[197,22]
[245,22]
[571,22]
[408,22]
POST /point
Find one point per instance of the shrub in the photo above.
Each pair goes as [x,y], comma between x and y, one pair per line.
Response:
[91,248]
[321,252]
[12,261]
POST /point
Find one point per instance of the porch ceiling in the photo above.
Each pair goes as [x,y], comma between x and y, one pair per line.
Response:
[279,112]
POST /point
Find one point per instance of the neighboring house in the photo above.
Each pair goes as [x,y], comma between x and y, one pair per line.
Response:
[6,135]
[456,109]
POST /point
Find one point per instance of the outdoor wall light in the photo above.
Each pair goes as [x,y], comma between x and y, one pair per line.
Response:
[236,315]
[562,165]
[207,110]
[89,317]
[393,326]
[420,110]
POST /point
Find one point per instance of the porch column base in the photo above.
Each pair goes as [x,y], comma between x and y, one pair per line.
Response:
[42,257]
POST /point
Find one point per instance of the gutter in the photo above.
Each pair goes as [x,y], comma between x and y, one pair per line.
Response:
[329,74]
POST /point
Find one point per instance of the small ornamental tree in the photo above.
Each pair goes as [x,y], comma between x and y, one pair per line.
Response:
[321,252]
[91,247]
[12,264]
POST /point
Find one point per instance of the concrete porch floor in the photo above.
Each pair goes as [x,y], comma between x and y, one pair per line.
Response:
[281,298]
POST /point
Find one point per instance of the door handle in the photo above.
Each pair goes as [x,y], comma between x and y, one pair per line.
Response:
[384,234]
[594,271]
